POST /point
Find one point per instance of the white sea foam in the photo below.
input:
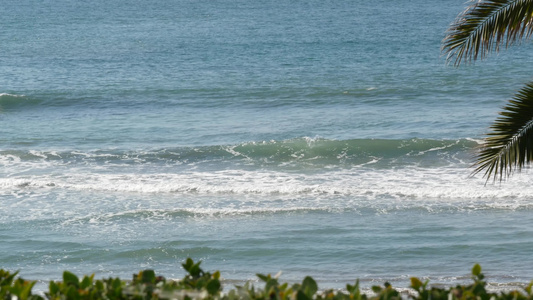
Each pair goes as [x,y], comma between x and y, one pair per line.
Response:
[354,189]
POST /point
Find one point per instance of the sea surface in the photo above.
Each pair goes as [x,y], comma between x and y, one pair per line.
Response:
[326,138]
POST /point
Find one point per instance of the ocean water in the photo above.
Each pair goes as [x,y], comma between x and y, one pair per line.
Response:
[323,138]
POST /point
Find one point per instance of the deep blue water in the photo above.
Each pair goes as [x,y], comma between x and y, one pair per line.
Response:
[323,138]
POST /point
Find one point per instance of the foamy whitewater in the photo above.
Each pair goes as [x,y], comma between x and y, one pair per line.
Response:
[322,138]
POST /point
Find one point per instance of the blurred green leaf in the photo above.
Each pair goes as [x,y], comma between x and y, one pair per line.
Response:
[416,283]
[53,288]
[86,282]
[213,286]
[148,276]
[71,279]
[6,278]
[300,295]
[25,291]
[476,270]
[309,286]
[263,277]
[188,264]
[528,288]
[216,275]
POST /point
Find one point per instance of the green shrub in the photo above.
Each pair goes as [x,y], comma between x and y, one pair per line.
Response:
[198,284]
[15,288]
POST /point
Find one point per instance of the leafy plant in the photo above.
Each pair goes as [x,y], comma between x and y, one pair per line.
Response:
[15,288]
[198,284]
[88,288]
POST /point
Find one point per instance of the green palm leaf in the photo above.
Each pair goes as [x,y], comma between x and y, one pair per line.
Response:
[510,144]
[485,25]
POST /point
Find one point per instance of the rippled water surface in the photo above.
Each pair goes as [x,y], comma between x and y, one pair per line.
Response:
[322,138]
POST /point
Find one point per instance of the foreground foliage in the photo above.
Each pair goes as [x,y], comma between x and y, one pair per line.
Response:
[198,284]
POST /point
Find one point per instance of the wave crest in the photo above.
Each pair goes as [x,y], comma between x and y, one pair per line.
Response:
[293,154]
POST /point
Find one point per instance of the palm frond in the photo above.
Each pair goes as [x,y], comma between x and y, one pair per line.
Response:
[485,25]
[509,147]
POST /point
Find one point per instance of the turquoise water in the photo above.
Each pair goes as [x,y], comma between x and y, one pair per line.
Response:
[322,138]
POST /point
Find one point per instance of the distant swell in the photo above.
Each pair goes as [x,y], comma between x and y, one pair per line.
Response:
[7,96]
[14,101]
[294,154]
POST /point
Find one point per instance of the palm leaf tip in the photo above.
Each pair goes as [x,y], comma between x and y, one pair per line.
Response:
[485,25]
[509,146]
